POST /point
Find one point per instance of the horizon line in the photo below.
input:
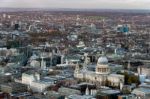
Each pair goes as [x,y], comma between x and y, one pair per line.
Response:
[69,9]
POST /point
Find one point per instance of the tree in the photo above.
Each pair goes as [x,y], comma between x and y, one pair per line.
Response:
[130,78]
[133,79]
[129,81]
[126,91]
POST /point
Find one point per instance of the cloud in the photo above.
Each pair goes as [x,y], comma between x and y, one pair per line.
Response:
[116,4]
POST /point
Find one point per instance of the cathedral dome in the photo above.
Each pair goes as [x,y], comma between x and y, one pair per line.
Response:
[102,66]
[102,60]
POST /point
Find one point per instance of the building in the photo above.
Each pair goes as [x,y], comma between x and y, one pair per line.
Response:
[123,28]
[107,94]
[144,71]
[29,78]
[68,91]
[53,95]
[35,83]
[13,87]
[143,91]
[80,97]
[126,96]
[101,76]
[5,78]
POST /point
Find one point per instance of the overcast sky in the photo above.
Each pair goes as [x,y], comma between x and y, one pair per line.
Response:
[91,4]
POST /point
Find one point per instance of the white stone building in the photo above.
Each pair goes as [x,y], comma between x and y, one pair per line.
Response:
[35,83]
[101,76]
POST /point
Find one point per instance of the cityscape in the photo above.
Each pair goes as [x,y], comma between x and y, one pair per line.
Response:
[73,53]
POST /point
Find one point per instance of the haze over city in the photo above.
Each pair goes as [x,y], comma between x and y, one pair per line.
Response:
[74,49]
[83,4]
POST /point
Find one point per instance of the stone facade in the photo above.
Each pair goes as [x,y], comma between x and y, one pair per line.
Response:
[102,75]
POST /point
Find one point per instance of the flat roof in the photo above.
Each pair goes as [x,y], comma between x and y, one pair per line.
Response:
[142,90]
[110,91]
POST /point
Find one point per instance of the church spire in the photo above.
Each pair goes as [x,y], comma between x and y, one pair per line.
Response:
[129,65]
[121,85]
[43,63]
[87,91]
[85,63]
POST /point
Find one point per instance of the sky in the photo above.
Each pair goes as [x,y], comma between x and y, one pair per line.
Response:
[85,4]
